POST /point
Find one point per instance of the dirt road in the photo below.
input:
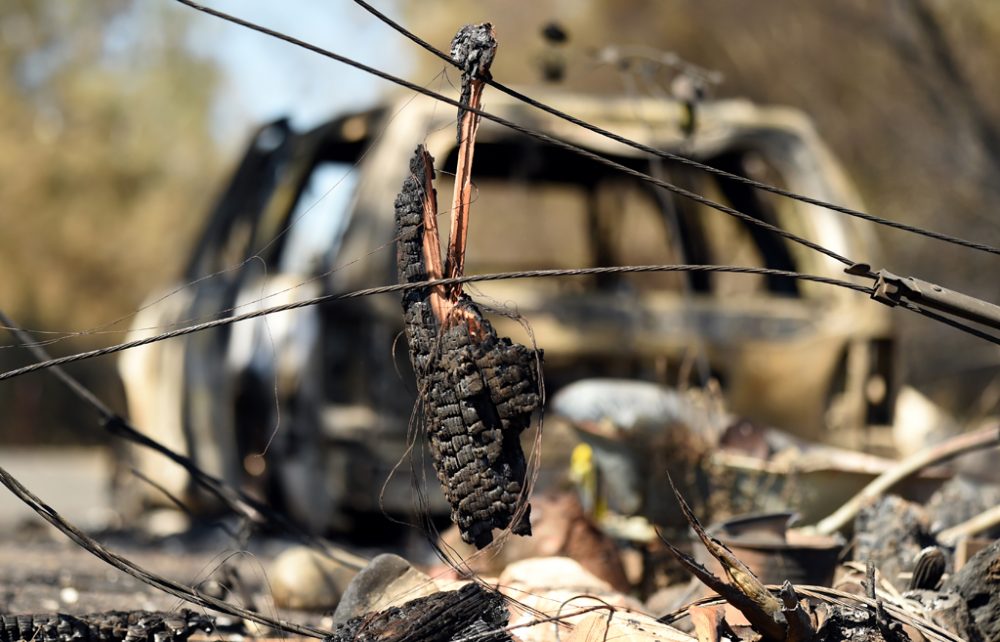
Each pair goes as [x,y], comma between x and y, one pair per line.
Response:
[74,481]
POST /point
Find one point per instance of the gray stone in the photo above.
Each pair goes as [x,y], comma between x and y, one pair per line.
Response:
[388,580]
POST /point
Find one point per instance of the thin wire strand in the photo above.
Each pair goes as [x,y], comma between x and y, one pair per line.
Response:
[235,499]
[940,318]
[400,287]
[131,568]
[545,138]
[983,247]
[103,328]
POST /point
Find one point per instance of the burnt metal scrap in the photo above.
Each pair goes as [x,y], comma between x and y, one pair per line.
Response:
[478,391]
[111,626]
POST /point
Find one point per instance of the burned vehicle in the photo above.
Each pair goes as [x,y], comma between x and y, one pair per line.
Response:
[314,407]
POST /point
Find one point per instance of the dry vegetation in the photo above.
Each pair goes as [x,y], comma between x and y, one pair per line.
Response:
[108,164]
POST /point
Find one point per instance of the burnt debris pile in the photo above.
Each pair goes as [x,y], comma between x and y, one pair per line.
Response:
[469,613]
[112,626]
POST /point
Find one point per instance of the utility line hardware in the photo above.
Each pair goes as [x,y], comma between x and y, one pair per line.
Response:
[893,290]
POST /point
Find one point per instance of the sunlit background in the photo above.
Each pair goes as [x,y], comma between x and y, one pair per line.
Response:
[120,121]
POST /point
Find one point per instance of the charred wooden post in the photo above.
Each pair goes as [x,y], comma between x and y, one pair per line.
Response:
[112,626]
[477,391]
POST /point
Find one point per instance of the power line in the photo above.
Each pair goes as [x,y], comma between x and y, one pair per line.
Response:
[676,157]
[964,327]
[545,138]
[235,499]
[131,568]
[400,287]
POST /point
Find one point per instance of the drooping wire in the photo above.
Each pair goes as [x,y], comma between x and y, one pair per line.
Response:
[528,100]
[545,138]
[129,567]
[609,163]
[236,500]
[400,287]
[940,318]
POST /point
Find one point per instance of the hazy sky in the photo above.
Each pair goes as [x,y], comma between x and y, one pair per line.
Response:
[267,78]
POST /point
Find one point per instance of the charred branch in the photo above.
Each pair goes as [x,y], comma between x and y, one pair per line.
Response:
[473,49]
[477,391]
[744,591]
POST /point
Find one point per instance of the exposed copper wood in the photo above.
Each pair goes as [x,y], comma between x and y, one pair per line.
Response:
[455,265]
[473,49]
[439,301]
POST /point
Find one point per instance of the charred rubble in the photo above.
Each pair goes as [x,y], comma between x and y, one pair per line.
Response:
[111,626]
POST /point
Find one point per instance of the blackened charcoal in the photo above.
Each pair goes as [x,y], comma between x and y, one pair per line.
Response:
[111,626]
[477,393]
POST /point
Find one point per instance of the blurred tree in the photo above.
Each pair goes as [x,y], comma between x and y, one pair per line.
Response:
[107,165]
[108,157]
[904,91]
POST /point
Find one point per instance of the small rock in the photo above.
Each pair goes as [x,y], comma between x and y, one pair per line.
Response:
[303,579]
[388,580]
[69,595]
[165,522]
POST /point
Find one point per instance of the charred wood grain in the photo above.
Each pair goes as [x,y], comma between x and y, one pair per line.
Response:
[111,626]
[477,390]
[471,612]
